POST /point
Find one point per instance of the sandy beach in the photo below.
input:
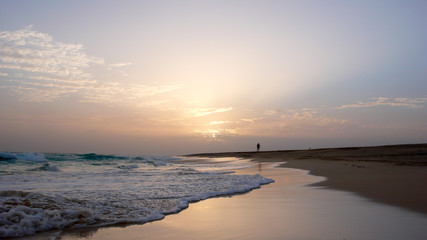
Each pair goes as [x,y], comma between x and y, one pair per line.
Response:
[394,175]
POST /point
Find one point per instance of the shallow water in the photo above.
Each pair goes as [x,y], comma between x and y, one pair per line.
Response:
[285,209]
[43,192]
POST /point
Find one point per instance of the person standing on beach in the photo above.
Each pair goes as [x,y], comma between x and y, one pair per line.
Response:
[258,147]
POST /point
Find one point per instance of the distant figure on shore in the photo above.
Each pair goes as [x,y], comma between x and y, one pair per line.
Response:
[258,147]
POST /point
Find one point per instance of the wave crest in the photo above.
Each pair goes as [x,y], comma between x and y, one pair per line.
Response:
[31,157]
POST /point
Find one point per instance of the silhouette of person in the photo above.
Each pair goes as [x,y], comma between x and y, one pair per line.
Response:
[258,147]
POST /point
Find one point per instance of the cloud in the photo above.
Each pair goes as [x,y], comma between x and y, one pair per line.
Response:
[321,121]
[271,112]
[200,112]
[40,66]
[284,123]
[35,94]
[310,119]
[116,92]
[250,120]
[414,103]
[37,68]
[292,122]
[217,122]
[118,65]
[216,130]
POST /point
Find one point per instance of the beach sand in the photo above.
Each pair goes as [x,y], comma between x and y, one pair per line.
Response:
[395,175]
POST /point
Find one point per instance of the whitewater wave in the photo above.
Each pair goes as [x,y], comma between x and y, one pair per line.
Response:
[25,213]
[90,158]
[30,157]
[155,160]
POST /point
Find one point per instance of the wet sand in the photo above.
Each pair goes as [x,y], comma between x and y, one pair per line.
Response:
[395,175]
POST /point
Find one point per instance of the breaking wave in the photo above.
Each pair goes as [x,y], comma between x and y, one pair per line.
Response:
[30,157]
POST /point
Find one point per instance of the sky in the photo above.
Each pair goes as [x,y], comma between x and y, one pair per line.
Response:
[178,77]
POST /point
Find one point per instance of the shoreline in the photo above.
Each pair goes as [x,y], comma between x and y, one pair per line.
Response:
[394,175]
[275,211]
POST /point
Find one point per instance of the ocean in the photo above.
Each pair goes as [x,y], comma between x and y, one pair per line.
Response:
[47,191]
